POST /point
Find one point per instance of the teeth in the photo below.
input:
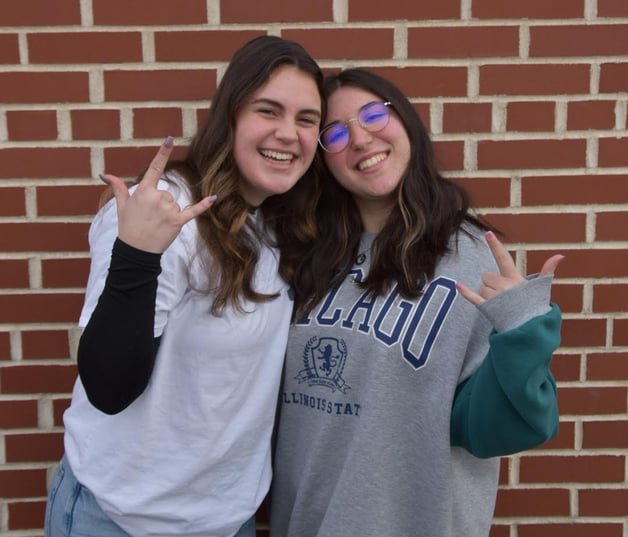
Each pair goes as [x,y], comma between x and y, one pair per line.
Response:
[276,156]
[370,162]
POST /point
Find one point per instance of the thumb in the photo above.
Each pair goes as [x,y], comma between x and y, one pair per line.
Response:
[118,187]
[550,266]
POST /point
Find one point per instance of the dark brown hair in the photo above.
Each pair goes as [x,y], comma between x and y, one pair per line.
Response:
[430,208]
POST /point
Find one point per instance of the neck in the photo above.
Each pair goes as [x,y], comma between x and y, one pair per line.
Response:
[374,214]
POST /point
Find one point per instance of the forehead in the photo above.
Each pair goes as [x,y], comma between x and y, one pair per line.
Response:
[345,102]
[289,85]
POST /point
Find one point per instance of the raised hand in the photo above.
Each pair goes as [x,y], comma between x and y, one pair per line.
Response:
[150,219]
[508,276]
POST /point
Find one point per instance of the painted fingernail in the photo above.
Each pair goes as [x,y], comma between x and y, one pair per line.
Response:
[104,179]
[212,198]
[169,141]
[490,235]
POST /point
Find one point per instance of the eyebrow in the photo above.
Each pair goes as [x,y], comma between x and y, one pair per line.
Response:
[272,102]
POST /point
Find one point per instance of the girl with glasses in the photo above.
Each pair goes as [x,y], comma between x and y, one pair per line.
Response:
[186,316]
[419,355]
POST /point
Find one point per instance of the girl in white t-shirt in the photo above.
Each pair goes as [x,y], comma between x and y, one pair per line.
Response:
[186,316]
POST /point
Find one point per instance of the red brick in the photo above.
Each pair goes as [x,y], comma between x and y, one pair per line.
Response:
[95,124]
[463,42]
[613,152]
[345,43]
[38,13]
[40,308]
[5,346]
[566,438]
[45,344]
[605,434]
[612,8]
[613,77]
[610,298]
[568,296]
[532,502]
[565,469]
[48,87]
[17,415]
[579,40]
[34,447]
[423,109]
[620,332]
[68,200]
[570,529]
[9,48]
[586,263]
[22,483]
[498,530]
[12,201]
[157,122]
[149,12]
[466,117]
[44,237]
[200,46]
[85,47]
[44,162]
[32,125]
[607,366]
[161,85]
[262,11]
[26,515]
[546,79]
[427,81]
[530,116]
[531,9]
[59,406]
[587,401]
[583,332]
[487,191]
[359,10]
[569,227]
[604,502]
[531,154]
[566,367]
[449,155]
[586,115]
[572,189]
[14,273]
[131,161]
[58,273]
[37,379]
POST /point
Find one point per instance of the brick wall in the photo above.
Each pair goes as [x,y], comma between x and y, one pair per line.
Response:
[527,103]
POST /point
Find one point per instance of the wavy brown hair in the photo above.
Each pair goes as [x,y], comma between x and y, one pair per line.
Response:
[209,168]
[430,208]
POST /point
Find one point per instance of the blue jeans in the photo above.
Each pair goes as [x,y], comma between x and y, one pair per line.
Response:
[72,511]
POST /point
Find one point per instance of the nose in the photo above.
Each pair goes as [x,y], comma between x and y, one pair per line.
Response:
[286,130]
[358,135]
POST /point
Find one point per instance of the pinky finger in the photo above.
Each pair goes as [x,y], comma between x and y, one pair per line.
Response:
[472,297]
[193,211]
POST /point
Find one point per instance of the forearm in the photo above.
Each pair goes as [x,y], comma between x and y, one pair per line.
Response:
[117,349]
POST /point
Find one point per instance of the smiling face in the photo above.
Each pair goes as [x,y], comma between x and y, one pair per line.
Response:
[373,163]
[276,134]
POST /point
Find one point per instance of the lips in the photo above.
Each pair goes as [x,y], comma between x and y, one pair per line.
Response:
[372,161]
[277,156]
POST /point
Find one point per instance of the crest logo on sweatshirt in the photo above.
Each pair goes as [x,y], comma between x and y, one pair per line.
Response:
[324,359]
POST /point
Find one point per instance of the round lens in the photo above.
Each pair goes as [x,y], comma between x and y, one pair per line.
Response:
[334,138]
[374,116]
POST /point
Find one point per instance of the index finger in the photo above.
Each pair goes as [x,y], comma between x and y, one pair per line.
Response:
[504,260]
[158,164]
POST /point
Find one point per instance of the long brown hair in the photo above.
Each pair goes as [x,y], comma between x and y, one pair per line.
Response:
[209,168]
[430,208]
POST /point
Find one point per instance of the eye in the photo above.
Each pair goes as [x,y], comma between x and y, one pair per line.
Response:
[309,121]
[334,134]
[267,111]
[373,114]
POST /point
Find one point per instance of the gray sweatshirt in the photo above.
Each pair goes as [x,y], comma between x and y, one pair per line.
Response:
[367,443]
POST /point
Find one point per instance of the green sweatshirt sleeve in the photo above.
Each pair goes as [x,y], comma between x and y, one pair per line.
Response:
[510,403]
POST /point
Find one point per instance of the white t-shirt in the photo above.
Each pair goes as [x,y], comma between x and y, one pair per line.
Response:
[191,456]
